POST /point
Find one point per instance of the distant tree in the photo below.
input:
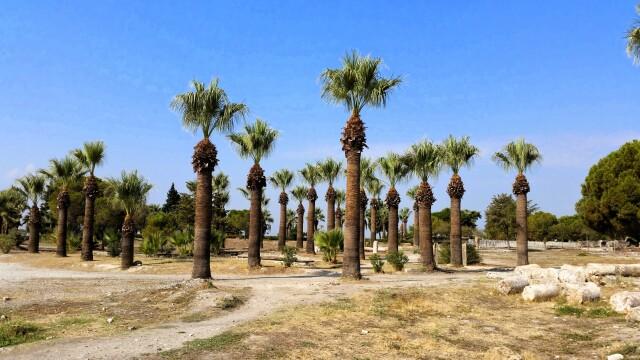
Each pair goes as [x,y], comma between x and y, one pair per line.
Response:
[330,171]
[311,175]
[32,188]
[173,199]
[220,200]
[394,169]
[282,180]
[540,224]
[12,204]
[572,228]
[299,193]
[468,218]
[610,201]
[500,218]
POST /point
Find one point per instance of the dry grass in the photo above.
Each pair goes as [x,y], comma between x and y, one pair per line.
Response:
[558,257]
[455,322]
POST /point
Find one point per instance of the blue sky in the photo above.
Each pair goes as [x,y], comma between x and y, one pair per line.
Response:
[553,72]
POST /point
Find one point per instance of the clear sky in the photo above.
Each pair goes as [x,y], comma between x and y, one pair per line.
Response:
[554,72]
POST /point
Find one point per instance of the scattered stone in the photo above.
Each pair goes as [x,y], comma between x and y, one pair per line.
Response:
[615,357]
[536,274]
[191,335]
[364,332]
[600,269]
[582,293]
[634,314]
[109,320]
[628,269]
[512,285]
[572,274]
[498,275]
[625,300]
[540,292]
[6,298]
[3,317]
[131,328]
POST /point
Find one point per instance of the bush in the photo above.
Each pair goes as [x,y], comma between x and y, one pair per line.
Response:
[397,259]
[444,254]
[329,243]
[182,240]
[473,257]
[154,244]
[289,255]
[74,241]
[7,241]
[112,241]
[376,262]
[13,333]
[217,241]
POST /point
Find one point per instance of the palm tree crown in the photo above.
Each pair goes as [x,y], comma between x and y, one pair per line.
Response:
[458,152]
[394,167]
[282,179]
[129,191]
[518,155]
[63,172]
[425,159]
[90,155]
[32,187]
[633,39]
[330,170]
[257,141]
[374,188]
[412,191]
[404,213]
[208,109]
[358,83]
[299,193]
[311,174]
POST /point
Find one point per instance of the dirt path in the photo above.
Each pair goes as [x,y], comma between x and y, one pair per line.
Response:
[268,293]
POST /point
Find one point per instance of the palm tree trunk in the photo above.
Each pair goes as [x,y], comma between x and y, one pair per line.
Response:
[202,239]
[331,206]
[361,226]
[255,227]
[90,194]
[34,229]
[426,241]
[393,229]
[416,225]
[128,234]
[299,227]
[373,222]
[404,230]
[351,257]
[63,208]
[455,237]
[282,231]
[339,218]
[311,211]
[521,188]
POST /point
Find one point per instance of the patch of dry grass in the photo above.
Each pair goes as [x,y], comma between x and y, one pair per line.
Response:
[558,257]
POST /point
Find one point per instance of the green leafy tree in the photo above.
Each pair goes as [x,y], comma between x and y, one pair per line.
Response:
[374,188]
[173,199]
[221,197]
[330,243]
[238,221]
[32,188]
[12,204]
[540,224]
[356,84]
[572,228]
[282,179]
[500,218]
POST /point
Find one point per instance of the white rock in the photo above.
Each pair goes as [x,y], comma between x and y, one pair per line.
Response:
[6,298]
[582,293]
[623,301]
[572,274]
[512,285]
[540,292]
[364,332]
[634,314]
[600,269]
[109,320]
[498,274]
[615,357]
[536,274]
[628,269]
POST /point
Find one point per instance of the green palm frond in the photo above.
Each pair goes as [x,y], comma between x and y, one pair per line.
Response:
[63,172]
[425,159]
[330,170]
[394,168]
[311,174]
[358,83]
[282,179]
[518,155]
[91,155]
[411,193]
[129,191]
[220,183]
[299,193]
[367,171]
[633,39]
[458,153]
[244,192]
[257,141]
[374,187]
[32,187]
[208,109]
[404,214]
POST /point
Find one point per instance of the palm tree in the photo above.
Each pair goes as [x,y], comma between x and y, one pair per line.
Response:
[311,175]
[633,39]
[220,198]
[340,198]
[12,204]
[357,84]
[205,109]
[403,214]
[130,194]
[256,142]
[291,220]
[32,188]
[299,193]
[394,168]
[330,170]
[282,179]
[374,187]
[62,173]
[367,170]
[457,153]
[90,156]
[411,193]
[520,156]
[317,219]
[425,160]
[264,203]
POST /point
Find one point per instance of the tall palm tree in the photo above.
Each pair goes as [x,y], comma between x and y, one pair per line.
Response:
[520,156]
[356,84]
[206,109]
[330,170]
[374,188]
[403,215]
[633,39]
[32,188]
[130,194]
[282,179]
[340,198]
[90,156]
[411,193]
[394,168]
[62,173]
[311,175]
[256,142]
[299,193]
[264,212]
[367,170]
[425,159]
[457,153]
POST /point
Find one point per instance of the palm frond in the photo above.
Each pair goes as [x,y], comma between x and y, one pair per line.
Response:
[299,193]
[394,168]
[129,191]
[282,179]
[256,142]
[311,174]
[330,170]
[91,155]
[518,155]
[458,153]
[63,172]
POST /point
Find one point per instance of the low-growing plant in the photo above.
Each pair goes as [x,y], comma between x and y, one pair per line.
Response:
[154,244]
[13,333]
[397,259]
[112,242]
[444,254]
[7,241]
[74,241]
[473,256]
[182,240]
[217,241]
[329,243]
[289,255]
[376,262]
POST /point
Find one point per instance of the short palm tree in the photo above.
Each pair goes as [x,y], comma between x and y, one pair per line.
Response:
[520,156]
[425,160]
[282,180]
[90,156]
[329,243]
[633,39]
[62,174]
[206,109]
[340,199]
[367,171]
[395,169]
[411,193]
[330,170]
[256,142]
[12,204]
[356,84]
[374,188]
[291,220]
[403,215]
[457,153]
[311,175]
[129,194]
[32,188]
[299,193]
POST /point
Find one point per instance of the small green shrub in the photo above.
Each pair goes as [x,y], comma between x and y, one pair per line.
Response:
[13,333]
[7,242]
[329,243]
[444,253]
[182,240]
[112,242]
[582,253]
[155,244]
[376,262]
[217,241]
[397,259]
[565,309]
[289,255]
[74,241]
[473,257]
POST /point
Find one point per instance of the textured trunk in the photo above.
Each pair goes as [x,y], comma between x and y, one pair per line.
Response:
[34,229]
[521,230]
[404,230]
[361,230]
[310,247]
[426,242]
[373,222]
[416,226]
[299,227]
[339,218]
[63,207]
[455,238]
[351,258]
[90,194]
[393,229]
[201,244]
[255,227]
[282,231]
[128,233]
[331,206]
